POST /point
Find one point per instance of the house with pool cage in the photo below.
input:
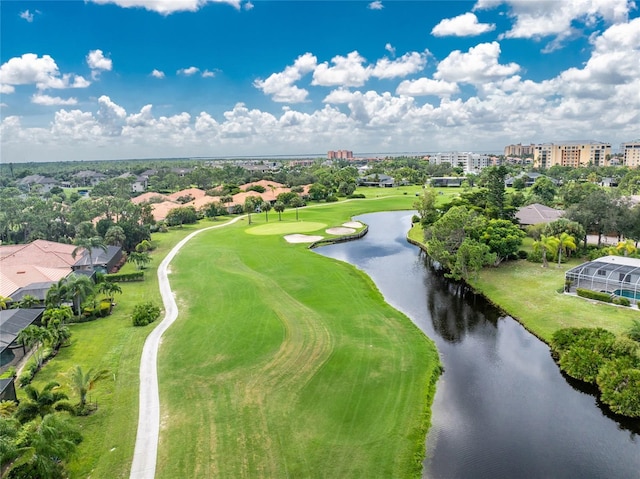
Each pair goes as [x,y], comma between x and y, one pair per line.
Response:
[616,275]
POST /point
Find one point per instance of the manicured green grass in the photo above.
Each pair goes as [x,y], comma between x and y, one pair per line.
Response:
[112,343]
[284,363]
[529,293]
[282,228]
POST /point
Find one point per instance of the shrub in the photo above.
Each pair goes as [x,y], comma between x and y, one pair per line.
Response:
[622,301]
[582,363]
[415,219]
[534,256]
[124,277]
[522,254]
[356,195]
[9,373]
[145,313]
[331,199]
[597,295]
[620,387]
[563,339]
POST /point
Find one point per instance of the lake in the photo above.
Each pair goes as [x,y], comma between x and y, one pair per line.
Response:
[502,408]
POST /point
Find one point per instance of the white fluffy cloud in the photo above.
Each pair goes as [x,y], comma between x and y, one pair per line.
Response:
[427,86]
[281,85]
[40,99]
[167,7]
[98,62]
[188,71]
[27,15]
[555,18]
[29,69]
[478,65]
[347,71]
[465,25]
[407,64]
[157,74]
[497,106]
[375,5]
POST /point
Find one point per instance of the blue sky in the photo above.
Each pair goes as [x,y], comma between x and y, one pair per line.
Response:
[111,79]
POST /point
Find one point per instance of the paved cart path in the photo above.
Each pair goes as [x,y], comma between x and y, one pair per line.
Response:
[146,449]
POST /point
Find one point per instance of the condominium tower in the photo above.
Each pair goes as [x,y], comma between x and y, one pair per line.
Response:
[572,153]
[631,153]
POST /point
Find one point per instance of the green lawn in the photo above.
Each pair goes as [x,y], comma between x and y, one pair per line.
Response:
[284,363]
[112,343]
[529,293]
[341,388]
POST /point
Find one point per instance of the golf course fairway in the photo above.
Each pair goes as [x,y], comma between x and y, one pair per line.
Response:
[284,363]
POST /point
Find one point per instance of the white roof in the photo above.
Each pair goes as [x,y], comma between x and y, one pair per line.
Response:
[621,260]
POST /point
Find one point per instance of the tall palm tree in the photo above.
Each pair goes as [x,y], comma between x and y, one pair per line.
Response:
[279,207]
[88,245]
[545,244]
[115,236]
[82,382]
[42,402]
[56,320]
[566,242]
[266,207]
[79,288]
[57,294]
[296,202]
[35,337]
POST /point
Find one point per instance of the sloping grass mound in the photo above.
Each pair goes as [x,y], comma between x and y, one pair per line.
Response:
[282,228]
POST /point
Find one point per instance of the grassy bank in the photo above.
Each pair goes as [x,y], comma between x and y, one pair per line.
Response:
[529,293]
[111,343]
[284,363]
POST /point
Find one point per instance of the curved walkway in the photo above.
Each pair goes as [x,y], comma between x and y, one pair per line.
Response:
[146,449]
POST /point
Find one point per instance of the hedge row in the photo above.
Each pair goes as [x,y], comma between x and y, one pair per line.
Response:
[124,277]
[597,295]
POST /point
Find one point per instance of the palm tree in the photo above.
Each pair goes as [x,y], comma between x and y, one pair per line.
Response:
[78,288]
[296,202]
[115,236]
[35,337]
[88,245]
[3,301]
[279,207]
[43,402]
[250,204]
[141,259]
[109,289]
[57,294]
[55,320]
[28,301]
[545,244]
[566,242]
[82,382]
[43,445]
[266,207]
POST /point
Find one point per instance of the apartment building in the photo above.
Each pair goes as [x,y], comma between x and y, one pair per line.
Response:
[572,153]
[631,153]
[519,149]
[469,162]
[340,155]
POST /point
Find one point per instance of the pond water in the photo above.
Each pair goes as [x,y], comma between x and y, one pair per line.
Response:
[502,408]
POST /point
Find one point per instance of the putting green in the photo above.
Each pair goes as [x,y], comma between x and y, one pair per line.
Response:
[282,228]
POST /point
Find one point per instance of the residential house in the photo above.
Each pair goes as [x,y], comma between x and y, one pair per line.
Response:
[536,213]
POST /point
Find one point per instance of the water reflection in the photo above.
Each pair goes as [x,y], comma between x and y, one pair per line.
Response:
[502,407]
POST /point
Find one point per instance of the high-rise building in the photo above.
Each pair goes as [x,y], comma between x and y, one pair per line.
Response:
[469,162]
[519,150]
[631,153]
[340,155]
[575,154]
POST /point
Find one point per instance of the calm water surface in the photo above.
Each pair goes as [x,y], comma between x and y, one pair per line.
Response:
[502,407]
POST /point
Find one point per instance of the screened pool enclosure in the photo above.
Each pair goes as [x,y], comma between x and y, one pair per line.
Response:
[617,275]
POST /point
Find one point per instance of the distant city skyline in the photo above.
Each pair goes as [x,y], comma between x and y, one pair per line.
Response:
[126,79]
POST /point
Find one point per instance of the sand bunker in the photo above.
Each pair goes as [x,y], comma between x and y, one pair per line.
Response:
[352,224]
[340,230]
[298,238]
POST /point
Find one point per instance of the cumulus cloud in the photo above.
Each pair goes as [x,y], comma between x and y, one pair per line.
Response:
[42,71]
[248,6]
[465,25]
[542,19]
[167,7]
[478,65]
[281,85]
[40,99]
[388,47]
[157,74]
[427,86]
[347,71]
[407,64]
[375,5]
[98,62]
[188,71]
[28,16]
[208,74]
